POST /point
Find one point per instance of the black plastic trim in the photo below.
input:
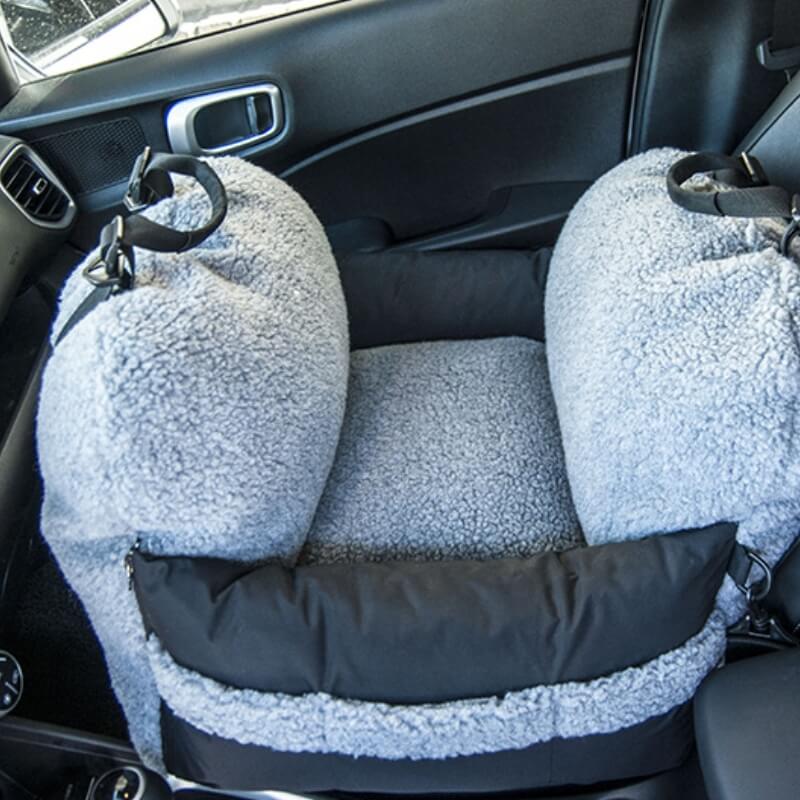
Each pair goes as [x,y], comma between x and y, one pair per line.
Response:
[699,85]
[349,39]
[575,73]
[8,76]
[517,215]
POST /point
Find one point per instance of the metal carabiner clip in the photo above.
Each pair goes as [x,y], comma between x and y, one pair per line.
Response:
[793,228]
[113,267]
[754,591]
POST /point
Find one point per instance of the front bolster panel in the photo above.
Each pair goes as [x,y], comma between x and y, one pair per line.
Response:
[319,723]
[408,633]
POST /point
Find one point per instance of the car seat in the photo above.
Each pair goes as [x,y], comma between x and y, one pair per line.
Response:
[472,564]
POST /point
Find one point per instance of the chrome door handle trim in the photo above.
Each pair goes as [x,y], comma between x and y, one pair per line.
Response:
[181,115]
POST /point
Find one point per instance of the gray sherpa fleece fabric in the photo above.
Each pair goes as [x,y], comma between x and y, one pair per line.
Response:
[672,342]
[319,723]
[199,412]
[217,387]
[208,423]
[448,450]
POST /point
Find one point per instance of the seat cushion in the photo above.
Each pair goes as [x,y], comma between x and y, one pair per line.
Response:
[448,450]
[416,632]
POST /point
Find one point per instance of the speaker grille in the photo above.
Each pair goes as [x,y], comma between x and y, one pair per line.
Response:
[95,156]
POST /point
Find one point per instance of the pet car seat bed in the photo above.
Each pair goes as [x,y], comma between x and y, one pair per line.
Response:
[458,565]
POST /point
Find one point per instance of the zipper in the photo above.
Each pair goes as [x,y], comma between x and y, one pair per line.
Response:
[135,547]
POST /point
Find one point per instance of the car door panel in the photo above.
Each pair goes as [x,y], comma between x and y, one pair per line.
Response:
[439,168]
[408,111]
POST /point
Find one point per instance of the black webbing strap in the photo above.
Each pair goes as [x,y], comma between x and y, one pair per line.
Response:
[740,564]
[781,51]
[150,181]
[113,270]
[751,196]
[90,302]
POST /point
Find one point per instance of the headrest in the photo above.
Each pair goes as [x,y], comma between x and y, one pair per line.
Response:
[202,408]
[672,344]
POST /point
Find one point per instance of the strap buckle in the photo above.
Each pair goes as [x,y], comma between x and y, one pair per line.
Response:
[793,228]
[755,172]
[755,591]
[757,622]
[138,195]
[113,268]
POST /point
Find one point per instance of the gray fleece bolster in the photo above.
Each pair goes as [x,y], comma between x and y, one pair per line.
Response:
[202,409]
[199,411]
[319,723]
[672,343]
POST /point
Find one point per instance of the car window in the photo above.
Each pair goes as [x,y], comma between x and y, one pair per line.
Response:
[51,37]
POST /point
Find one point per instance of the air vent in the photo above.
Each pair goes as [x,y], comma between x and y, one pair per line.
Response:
[35,190]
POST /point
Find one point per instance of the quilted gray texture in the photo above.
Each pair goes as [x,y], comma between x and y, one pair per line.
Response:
[448,450]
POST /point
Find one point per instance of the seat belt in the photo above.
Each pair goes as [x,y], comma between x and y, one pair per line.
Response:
[752,196]
[781,51]
[113,271]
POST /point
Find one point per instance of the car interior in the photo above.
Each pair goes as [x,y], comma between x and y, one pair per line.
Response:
[442,145]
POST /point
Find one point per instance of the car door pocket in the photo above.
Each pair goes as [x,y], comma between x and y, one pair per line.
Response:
[227,120]
[516,217]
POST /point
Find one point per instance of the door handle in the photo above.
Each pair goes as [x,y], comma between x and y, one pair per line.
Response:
[226,120]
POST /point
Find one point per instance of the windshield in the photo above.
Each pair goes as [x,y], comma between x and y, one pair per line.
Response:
[51,37]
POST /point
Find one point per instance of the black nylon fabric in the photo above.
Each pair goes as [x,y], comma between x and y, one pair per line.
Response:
[434,631]
[396,298]
[658,744]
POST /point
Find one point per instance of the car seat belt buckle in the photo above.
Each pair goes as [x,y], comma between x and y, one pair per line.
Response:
[785,58]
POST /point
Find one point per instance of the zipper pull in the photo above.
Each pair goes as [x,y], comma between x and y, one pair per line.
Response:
[129,562]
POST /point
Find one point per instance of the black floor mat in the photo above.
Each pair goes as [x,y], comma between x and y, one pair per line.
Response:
[66,682]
